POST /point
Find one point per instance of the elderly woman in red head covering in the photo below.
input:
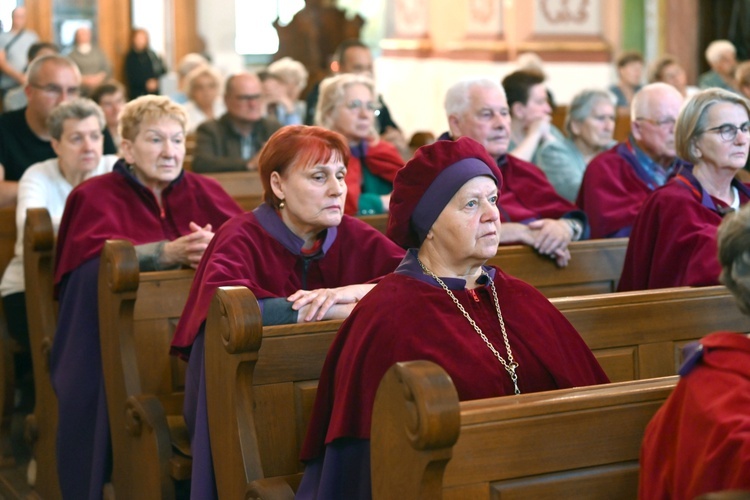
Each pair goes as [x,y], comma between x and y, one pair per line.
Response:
[492,333]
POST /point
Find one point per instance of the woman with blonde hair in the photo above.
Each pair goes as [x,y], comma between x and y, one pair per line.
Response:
[169,216]
[348,104]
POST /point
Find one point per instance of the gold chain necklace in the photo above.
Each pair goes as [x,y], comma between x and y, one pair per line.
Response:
[510,365]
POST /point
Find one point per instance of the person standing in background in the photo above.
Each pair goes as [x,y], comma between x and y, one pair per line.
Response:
[143,66]
[91,60]
[14,47]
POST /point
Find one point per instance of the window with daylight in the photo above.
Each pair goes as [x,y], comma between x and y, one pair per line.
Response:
[254,24]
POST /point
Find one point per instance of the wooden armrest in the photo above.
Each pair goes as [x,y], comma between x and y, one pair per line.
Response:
[269,489]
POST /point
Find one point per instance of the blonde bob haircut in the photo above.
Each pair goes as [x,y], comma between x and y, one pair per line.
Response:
[332,93]
[149,108]
[691,122]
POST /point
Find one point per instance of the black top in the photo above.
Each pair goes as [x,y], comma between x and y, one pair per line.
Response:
[140,67]
[19,146]
[109,144]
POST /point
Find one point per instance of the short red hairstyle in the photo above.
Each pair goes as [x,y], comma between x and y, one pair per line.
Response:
[298,146]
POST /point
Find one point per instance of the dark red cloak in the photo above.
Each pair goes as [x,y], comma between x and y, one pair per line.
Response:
[673,242]
[527,195]
[422,322]
[699,441]
[243,253]
[117,206]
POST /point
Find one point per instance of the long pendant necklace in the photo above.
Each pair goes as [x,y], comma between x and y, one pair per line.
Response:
[510,365]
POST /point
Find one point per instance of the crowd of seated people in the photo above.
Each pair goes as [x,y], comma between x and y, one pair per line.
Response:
[502,174]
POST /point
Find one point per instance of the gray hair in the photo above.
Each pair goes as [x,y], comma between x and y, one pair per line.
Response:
[718,48]
[197,72]
[583,104]
[189,62]
[35,67]
[332,91]
[457,98]
[75,109]
[289,71]
[733,239]
[691,121]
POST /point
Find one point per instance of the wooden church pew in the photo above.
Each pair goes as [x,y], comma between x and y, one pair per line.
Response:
[572,443]
[595,267]
[261,381]
[138,313]
[639,335]
[41,425]
[244,187]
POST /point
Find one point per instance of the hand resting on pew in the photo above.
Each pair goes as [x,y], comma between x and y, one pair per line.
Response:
[327,303]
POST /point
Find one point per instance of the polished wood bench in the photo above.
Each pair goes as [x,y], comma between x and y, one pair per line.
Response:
[244,187]
[595,267]
[571,443]
[41,425]
[138,313]
[261,381]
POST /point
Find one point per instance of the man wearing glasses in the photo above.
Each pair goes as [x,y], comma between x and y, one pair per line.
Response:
[617,181]
[24,136]
[232,142]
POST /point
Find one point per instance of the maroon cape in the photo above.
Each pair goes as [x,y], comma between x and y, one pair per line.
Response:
[383,160]
[673,242]
[611,194]
[404,318]
[527,195]
[117,206]
[699,441]
[243,253]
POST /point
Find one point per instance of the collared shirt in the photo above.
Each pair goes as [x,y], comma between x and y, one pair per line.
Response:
[653,174]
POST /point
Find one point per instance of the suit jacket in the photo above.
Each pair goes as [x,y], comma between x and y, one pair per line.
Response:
[218,146]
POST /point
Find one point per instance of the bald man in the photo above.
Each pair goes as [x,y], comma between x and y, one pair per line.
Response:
[617,181]
[232,142]
[91,60]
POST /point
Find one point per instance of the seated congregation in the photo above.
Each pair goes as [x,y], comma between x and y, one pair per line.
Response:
[448,303]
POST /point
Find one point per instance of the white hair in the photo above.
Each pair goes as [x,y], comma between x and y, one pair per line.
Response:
[457,97]
[718,48]
[289,71]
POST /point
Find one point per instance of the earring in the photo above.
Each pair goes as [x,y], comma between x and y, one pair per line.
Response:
[282,205]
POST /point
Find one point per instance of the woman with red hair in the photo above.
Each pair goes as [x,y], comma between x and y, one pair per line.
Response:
[299,254]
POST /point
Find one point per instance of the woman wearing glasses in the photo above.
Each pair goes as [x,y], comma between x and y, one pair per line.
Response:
[348,105]
[673,242]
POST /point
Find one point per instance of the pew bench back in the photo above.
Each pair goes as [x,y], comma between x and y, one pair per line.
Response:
[274,370]
[595,267]
[640,335]
[41,425]
[572,443]
[138,313]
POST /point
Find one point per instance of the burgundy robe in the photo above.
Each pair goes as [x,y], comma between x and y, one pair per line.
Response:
[118,206]
[699,440]
[258,251]
[526,194]
[673,242]
[114,205]
[382,159]
[422,322]
[613,189]
[247,252]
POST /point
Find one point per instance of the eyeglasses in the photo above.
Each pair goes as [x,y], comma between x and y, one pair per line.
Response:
[247,97]
[57,91]
[371,106]
[664,123]
[728,132]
